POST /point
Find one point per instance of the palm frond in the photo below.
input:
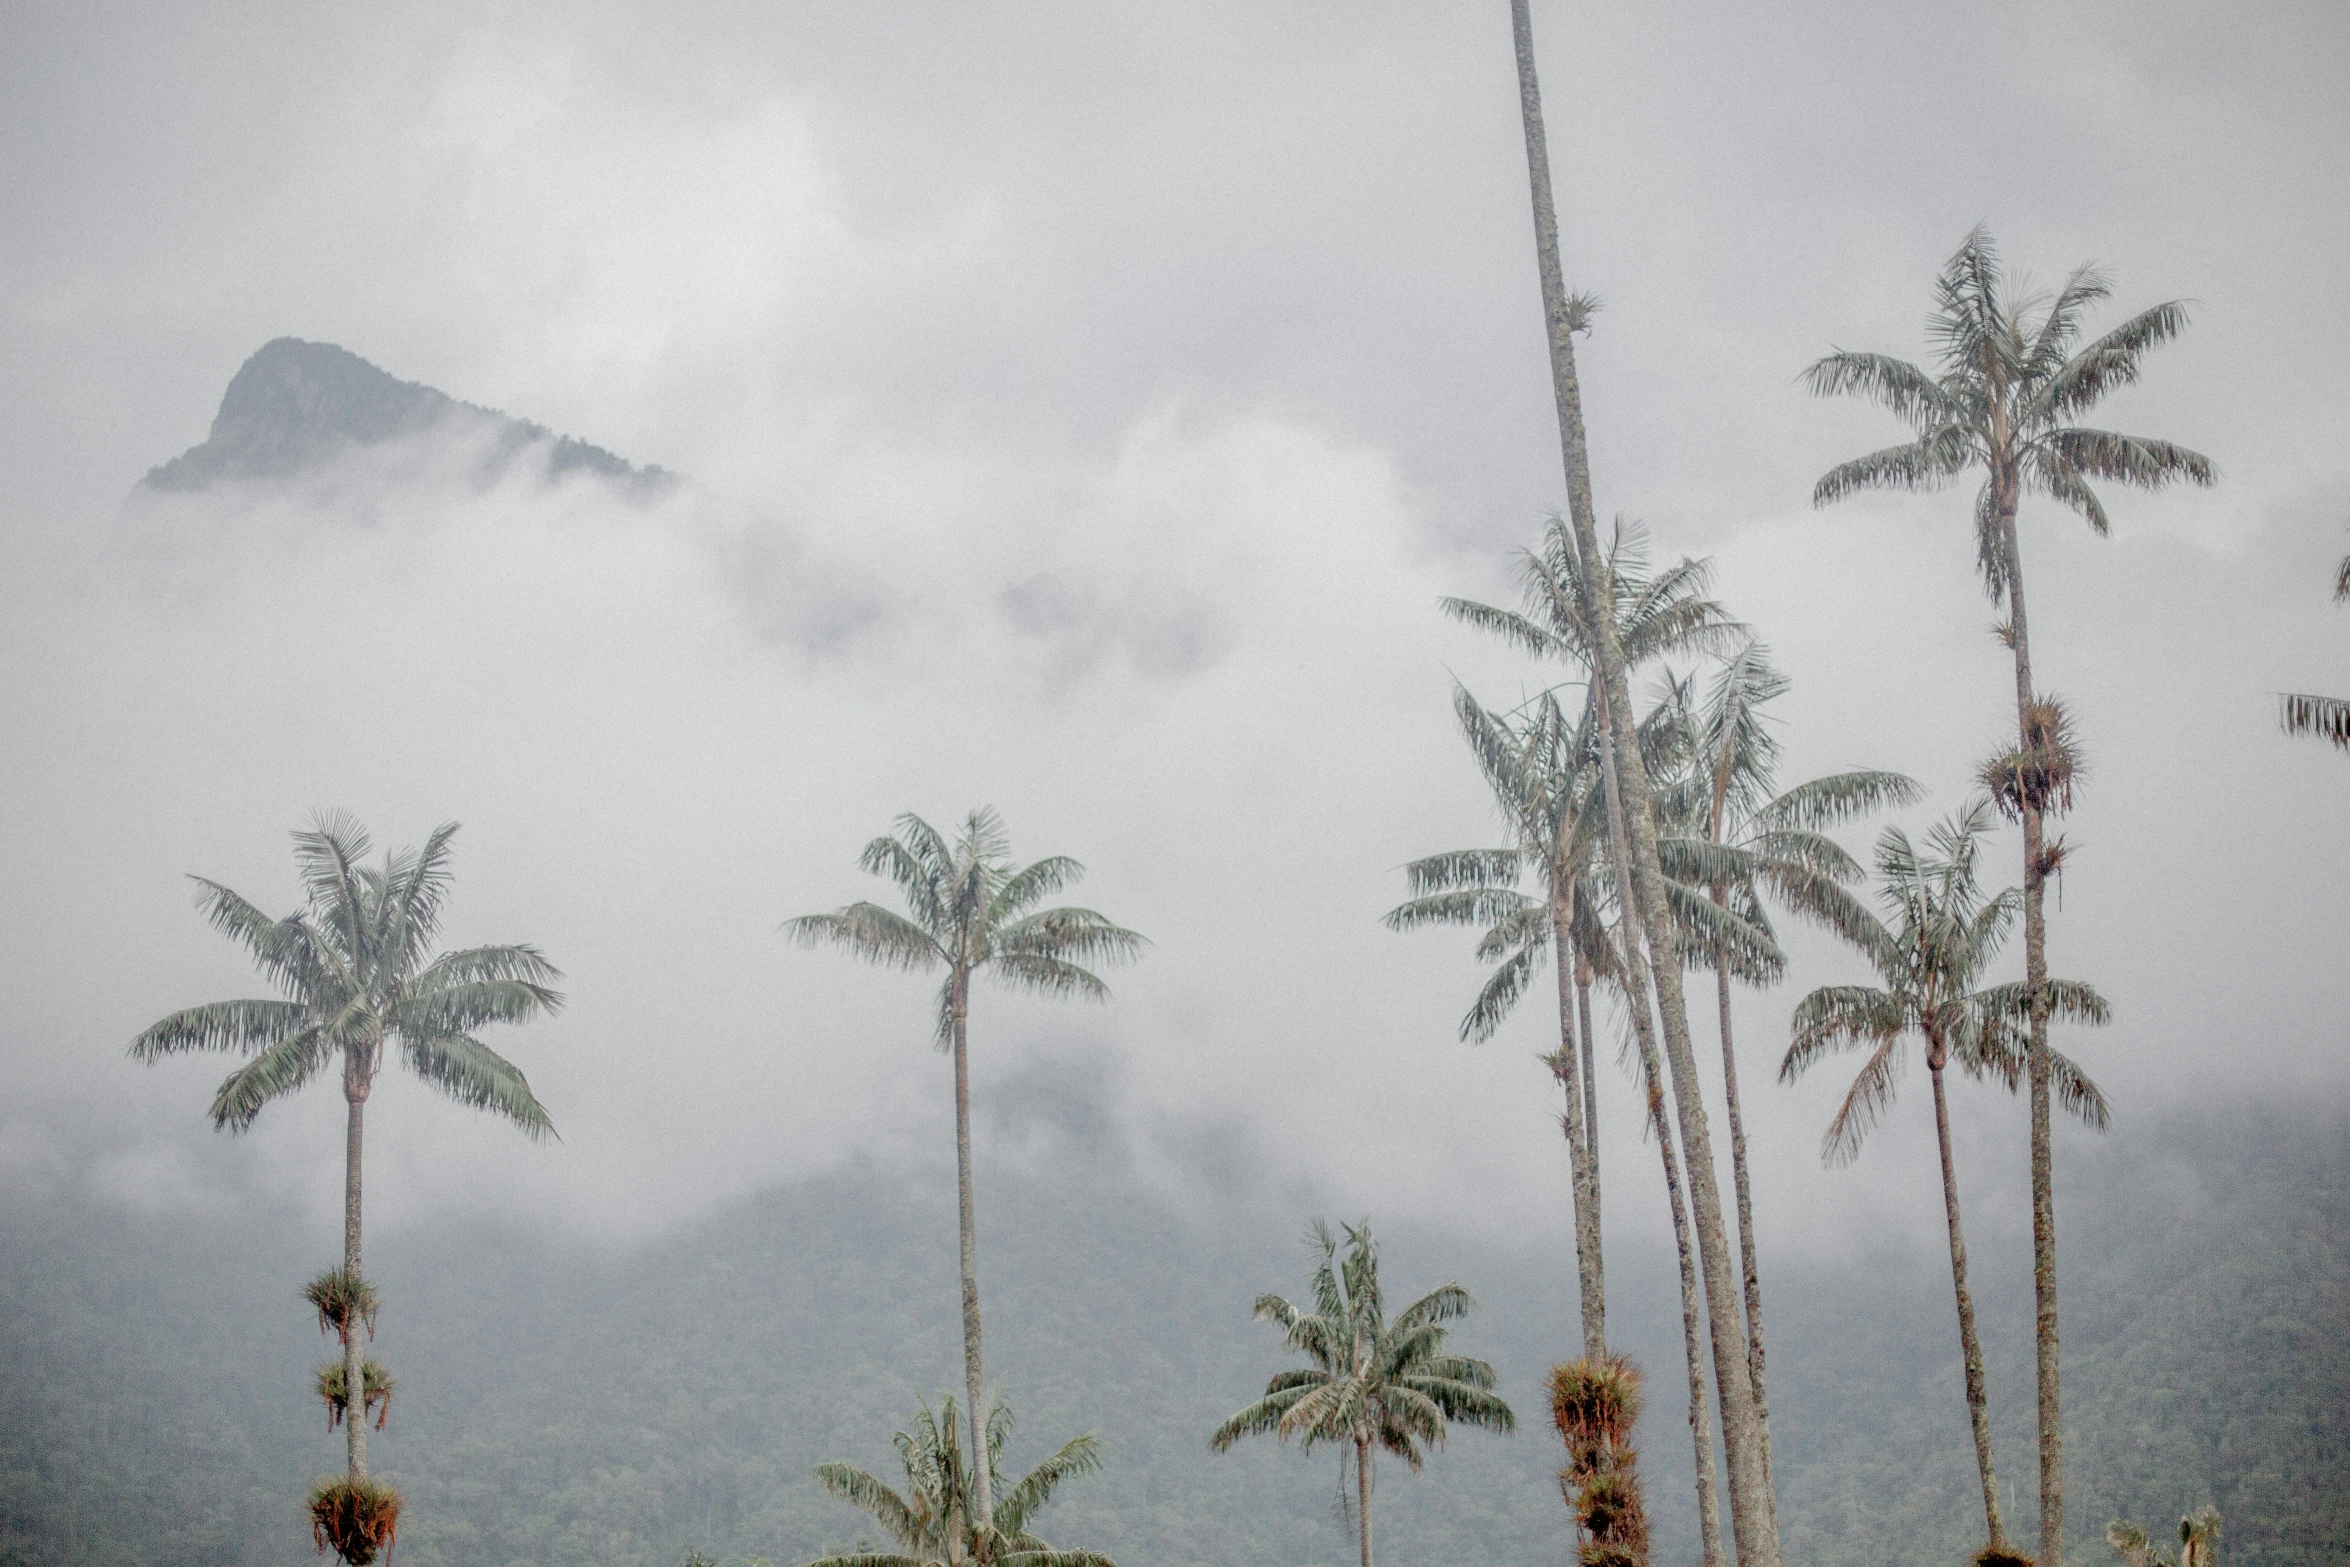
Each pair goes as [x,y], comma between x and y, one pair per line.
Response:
[2082,381]
[462,1007]
[284,950]
[326,858]
[871,932]
[1899,387]
[1269,1413]
[277,1070]
[920,864]
[1836,1018]
[862,1490]
[417,894]
[1865,1102]
[1023,889]
[2138,460]
[476,1076]
[1441,1304]
[1079,1455]
[1464,868]
[1510,626]
[1048,976]
[517,961]
[1839,798]
[1469,906]
[1500,994]
[1071,934]
[1921,465]
[244,1026]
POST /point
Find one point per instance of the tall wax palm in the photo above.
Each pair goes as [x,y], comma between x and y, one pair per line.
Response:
[2012,380]
[935,1521]
[1756,843]
[1373,1381]
[1753,1509]
[969,911]
[1930,954]
[2328,716]
[1604,613]
[1541,770]
[356,970]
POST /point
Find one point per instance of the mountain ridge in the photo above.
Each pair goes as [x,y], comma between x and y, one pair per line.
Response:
[295,405]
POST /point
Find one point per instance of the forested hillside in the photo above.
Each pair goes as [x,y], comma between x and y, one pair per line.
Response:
[563,1409]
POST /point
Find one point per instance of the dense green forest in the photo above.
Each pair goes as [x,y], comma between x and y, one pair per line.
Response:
[563,1405]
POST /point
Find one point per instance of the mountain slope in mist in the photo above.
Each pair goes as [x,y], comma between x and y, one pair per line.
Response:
[295,406]
[561,1407]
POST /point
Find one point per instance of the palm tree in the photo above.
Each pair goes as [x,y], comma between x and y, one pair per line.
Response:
[356,968]
[1577,612]
[2328,716]
[1542,772]
[1942,934]
[2011,383]
[935,1520]
[1754,839]
[969,910]
[1373,1382]
[1753,1510]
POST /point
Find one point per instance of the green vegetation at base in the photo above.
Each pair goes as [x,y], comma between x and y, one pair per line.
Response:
[568,1408]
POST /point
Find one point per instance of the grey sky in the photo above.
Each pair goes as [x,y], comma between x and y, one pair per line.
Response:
[1146,371]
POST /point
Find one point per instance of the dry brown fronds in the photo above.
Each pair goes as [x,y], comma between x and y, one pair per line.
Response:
[354,1518]
[1595,1403]
[376,1386]
[2038,772]
[340,1297]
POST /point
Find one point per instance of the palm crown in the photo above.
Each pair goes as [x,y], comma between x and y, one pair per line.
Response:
[1542,771]
[1942,933]
[1372,1379]
[932,1520]
[1728,827]
[357,969]
[2012,382]
[969,908]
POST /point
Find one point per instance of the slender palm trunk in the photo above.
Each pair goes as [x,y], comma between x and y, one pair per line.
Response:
[1709,1514]
[1636,1000]
[355,1087]
[2037,1071]
[1753,1511]
[1363,1495]
[1590,1086]
[1587,1254]
[985,1501]
[1969,1345]
[1745,1196]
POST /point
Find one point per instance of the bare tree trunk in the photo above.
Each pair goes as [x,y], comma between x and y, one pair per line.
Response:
[1363,1495]
[355,1089]
[1745,1196]
[1969,1345]
[983,1497]
[1753,1511]
[2037,1067]
[1587,1254]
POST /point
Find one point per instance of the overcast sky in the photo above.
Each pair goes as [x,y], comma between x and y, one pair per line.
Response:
[1097,397]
